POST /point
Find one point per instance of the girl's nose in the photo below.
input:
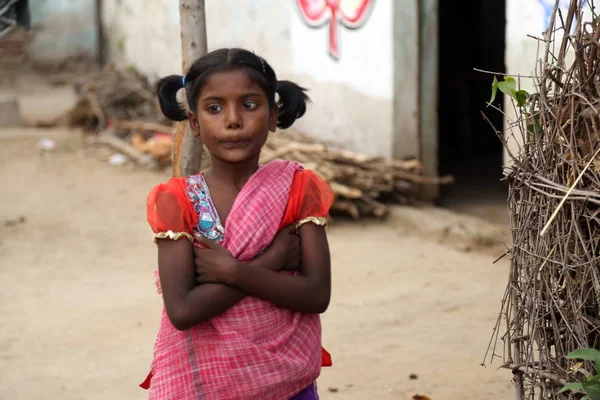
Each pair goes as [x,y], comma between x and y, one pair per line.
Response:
[233,119]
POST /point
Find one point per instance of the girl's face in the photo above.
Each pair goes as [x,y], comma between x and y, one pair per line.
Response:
[233,116]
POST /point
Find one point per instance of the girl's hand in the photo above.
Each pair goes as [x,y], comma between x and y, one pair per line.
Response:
[286,249]
[214,264]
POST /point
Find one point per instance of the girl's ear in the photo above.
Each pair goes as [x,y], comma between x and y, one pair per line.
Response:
[273,114]
[194,124]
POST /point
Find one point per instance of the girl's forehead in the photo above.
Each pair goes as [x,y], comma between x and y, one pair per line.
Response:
[229,83]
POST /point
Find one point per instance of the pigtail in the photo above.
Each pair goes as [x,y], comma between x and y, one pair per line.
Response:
[291,104]
[167,89]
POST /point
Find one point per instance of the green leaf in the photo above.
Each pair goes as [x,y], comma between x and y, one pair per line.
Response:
[592,387]
[585,354]
[508,86]
[573,386]
[521,97]
[494,90]
[588,355]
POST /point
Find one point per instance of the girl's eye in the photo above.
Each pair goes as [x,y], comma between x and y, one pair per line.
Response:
[250,105]
[214,108]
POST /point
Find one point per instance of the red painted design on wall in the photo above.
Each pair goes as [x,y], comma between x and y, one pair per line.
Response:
[351,14]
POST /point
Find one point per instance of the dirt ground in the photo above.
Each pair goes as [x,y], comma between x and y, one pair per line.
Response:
[79,312]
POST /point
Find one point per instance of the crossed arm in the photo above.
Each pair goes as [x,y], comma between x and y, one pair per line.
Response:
[225,281]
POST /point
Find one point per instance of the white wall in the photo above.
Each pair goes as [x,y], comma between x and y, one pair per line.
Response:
[525,17]
[352,97]
[144,34]
[62,29]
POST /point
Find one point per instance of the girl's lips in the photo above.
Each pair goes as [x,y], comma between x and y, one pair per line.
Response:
[235,144]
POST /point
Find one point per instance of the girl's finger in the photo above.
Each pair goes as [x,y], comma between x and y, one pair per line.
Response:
[204,241]
[199,276]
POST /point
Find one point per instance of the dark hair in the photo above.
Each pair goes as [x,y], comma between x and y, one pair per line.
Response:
[291,104]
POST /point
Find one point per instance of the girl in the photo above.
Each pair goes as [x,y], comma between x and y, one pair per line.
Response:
[234,326]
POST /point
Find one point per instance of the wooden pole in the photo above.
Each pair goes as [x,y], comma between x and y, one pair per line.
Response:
[101,40]
[187,150]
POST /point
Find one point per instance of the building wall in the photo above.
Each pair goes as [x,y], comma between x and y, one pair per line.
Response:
[143,34]
[62,29]
[352,96]
[524,18]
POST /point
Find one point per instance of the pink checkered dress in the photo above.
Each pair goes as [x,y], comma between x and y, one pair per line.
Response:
[255,350]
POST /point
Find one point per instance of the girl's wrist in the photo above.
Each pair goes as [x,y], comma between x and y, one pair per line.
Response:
[267,261]
[232,275]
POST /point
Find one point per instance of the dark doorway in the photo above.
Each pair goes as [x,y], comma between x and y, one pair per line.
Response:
[470,36]
[13,13]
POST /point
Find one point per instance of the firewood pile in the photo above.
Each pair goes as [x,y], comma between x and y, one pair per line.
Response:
[122,109]
[362,184]
[111,96]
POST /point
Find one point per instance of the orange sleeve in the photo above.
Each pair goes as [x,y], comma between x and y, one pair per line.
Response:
[169,211]
[310,200]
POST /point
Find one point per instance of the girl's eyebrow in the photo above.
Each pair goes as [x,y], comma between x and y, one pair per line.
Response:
[219,98]
[212,98]
[252,94]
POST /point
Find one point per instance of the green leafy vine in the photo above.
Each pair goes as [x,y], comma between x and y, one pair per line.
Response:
[509,87]
[591,386]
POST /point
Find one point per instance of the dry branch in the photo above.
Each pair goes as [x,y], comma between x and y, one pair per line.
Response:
[143,126]
[108,138]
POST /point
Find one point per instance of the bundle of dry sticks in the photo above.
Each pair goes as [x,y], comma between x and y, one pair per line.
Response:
[552,301]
